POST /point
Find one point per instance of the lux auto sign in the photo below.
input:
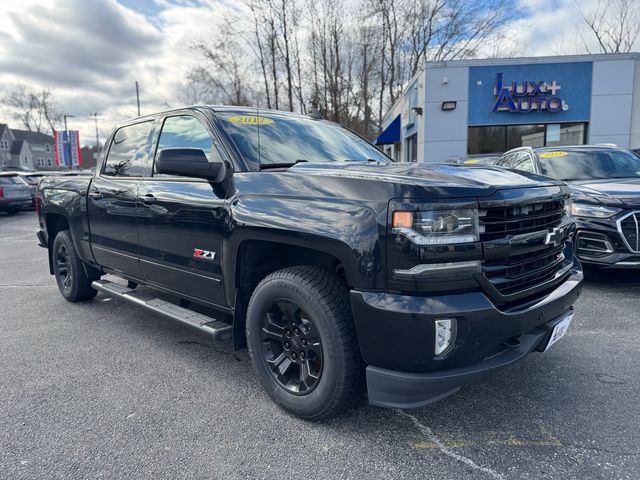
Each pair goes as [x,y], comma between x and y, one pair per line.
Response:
[527,96]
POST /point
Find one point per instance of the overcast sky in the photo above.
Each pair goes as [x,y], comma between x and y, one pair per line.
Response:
[91,52]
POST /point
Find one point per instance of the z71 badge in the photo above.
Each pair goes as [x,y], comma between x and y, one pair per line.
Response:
[204,254]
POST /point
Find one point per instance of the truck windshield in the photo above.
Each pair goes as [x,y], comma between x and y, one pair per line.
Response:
[589,164]
[284,140]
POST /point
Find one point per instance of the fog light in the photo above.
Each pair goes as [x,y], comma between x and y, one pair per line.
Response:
[445,335]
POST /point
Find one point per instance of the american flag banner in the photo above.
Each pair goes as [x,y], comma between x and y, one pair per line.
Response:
[74,148]
[67,154]
[59,142]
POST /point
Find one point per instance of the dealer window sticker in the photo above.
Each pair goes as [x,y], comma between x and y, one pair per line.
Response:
[250,120]
[553,154]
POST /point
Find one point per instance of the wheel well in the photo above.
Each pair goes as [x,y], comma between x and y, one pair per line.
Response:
[55,223]
[257,259]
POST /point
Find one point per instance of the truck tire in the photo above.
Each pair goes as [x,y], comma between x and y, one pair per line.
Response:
[302,342]
[70,274]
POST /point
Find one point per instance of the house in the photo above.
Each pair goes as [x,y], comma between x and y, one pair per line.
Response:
[25,150]
[6,139]
[42,152]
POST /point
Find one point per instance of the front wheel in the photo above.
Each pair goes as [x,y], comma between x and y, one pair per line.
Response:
[302,342]
[73,283]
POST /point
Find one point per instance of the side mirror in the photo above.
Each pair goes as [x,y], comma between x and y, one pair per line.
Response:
[189,162]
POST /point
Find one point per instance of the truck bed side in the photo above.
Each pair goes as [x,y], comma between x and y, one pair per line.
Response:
[62,205]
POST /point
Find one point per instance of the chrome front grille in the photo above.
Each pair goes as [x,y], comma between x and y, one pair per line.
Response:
[629,229]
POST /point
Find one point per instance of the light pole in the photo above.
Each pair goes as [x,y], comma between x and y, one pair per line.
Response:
[67,145]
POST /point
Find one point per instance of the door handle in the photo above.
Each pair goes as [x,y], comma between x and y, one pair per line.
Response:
[148,198]
[96,195]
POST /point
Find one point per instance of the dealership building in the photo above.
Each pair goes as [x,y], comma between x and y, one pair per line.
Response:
[464,107]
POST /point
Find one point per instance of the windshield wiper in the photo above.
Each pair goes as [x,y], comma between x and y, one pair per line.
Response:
[266,166]
[369,160]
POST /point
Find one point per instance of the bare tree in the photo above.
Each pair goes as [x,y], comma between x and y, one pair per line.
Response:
[350,61]
[615,25]
[36,109]
[228,78]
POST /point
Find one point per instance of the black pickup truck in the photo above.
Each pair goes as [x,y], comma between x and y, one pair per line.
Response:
[301,241]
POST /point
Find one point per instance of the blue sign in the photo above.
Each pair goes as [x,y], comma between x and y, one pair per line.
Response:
[526,94]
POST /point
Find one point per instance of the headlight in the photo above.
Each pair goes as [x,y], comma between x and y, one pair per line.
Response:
[437,227]
[594,211]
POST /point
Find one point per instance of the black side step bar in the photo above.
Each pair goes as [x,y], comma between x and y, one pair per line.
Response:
[214,328]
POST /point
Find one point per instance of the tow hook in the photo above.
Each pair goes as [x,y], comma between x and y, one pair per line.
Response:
[513,342]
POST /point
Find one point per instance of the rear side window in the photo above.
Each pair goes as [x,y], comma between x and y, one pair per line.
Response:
[129,151]
[11,180]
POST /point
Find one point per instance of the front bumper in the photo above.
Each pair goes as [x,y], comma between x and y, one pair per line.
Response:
[600,243]
[396,337]
[388,388]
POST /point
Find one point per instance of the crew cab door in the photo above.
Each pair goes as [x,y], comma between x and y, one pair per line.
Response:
[112,197]
[181,220]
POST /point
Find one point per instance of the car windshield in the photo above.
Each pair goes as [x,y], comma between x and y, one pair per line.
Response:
[271,139]
[589,164]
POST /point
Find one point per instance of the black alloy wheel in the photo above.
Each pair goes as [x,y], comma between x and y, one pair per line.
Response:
[292,347]
[302,342]
[72,275]
[63,266]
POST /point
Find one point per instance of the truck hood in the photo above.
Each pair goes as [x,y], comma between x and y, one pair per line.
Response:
[623,192]
[438,180]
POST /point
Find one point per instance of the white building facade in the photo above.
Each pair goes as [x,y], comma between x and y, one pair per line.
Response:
[489,106]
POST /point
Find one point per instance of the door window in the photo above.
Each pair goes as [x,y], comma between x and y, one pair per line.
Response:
[524,163]
[185,131]
[129,150]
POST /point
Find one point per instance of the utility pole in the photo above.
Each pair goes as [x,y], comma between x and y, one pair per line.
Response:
[67,144]
[138,97]
[95,118]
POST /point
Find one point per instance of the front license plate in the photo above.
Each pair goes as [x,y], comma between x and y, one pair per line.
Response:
[559,330]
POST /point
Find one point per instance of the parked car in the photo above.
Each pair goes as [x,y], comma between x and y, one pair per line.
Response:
[479,159]
[605,181]
[31,178]
[14,193]
[330,262]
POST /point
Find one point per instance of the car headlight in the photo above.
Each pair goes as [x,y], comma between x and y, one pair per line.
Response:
[594,211]
[437,227]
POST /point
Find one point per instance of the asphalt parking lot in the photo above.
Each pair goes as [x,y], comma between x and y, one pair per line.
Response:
[102,389]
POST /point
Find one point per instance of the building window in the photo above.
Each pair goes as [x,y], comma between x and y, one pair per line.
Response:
[524,136]
[487,139]
[412,148]
[501,138]
[4,144]
[48,162]
[47,147]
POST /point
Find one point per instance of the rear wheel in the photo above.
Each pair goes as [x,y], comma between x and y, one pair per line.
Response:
[302,342]
[73,283]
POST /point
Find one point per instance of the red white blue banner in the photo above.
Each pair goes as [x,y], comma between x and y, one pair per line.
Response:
[67,151]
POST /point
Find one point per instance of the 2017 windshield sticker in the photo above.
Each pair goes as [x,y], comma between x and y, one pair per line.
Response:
[553,154]
[250,120]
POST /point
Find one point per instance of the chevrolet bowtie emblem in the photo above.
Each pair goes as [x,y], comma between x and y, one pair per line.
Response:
[554,237]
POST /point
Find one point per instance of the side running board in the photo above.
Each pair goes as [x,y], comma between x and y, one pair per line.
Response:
[208,325]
